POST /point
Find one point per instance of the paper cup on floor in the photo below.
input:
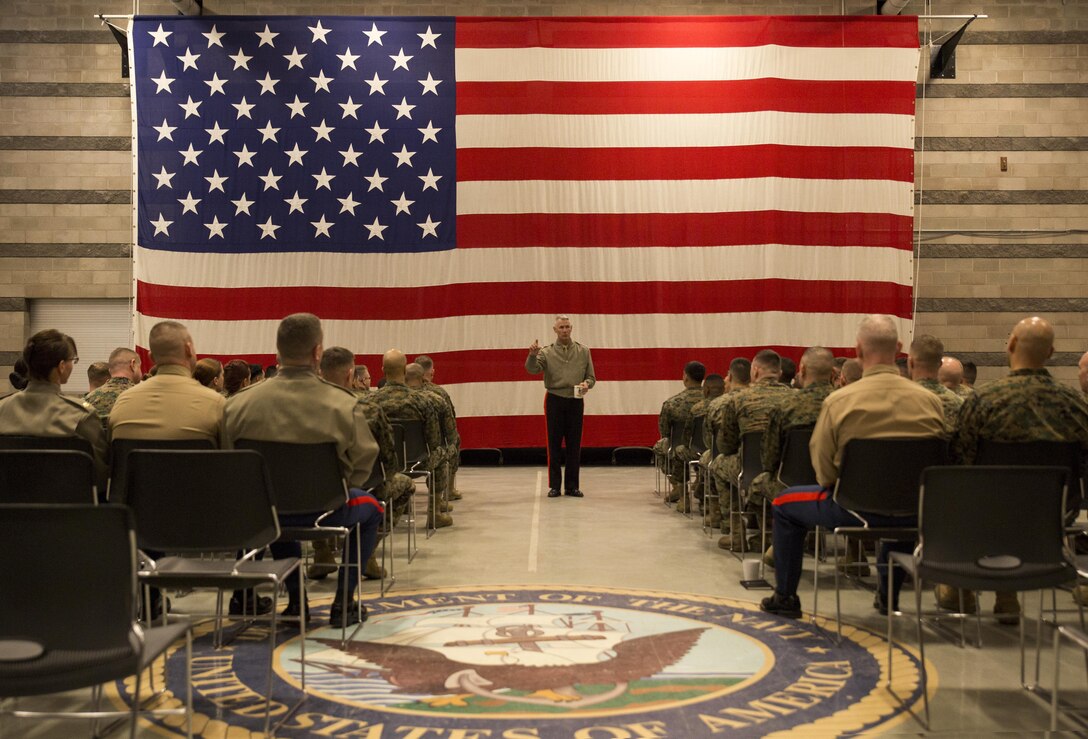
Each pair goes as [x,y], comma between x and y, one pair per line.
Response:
[750,568]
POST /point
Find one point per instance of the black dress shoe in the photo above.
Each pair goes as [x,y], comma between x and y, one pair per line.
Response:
[336,614]
[263,606]
[553,493]
[293,611]
[575,494]
[782,605]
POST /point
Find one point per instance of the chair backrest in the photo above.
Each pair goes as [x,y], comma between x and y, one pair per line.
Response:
[677,434]
[968,513]
[415,443]
[73,443]
[882,475]
[201,501]
[76,592]
[398,445]
[796,466]
[698,444]
[37,476]
[120,448]
[306,478]
[751,463]
[1065,454]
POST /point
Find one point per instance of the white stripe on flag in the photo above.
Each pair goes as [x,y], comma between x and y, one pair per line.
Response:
[685,196]
[605,331]
[523,398]
[680,64]
[683,130]
[467,266]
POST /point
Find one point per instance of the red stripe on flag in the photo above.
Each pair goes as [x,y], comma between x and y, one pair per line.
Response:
[722,162]
[627,230]
[529,431]
[719,96]
[472,299]
[612,365]
[706,31]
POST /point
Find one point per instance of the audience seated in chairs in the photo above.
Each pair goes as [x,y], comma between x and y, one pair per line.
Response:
[209,373]
[41,409]
[882,404]
[297,406]
[678,412]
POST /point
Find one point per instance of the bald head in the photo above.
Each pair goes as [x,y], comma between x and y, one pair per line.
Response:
[393,365]
[413,375]
[1031,343]
[170,343]
[1082,375]
[877,341]
[816,365]
[951,373]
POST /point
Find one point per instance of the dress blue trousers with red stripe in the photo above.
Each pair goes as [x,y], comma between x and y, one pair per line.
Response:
[801,509]
[363,509]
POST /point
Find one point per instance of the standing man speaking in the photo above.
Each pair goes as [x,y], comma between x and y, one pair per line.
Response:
[568,376]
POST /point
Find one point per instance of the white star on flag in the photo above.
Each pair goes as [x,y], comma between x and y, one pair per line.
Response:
[216,84]
[165,131]
[374,36]
[295,155]
[160,36]
[377,133]
[268,228]
[215,133]
[319,33]
[295,202]
[402,204]
[430,84]
[215,228]
[322,131]
[245,156]
[400,60]
[268,84]
[188,59]
[190,106]
[271,181]
[404,156]
[243,108]
[430,133]
[428,38]
[348,205]
[375,230]
[188,203]
[350,107]
[268,133]
[266,37]
[430,180]
[241,61]
[404,110]
[215,182]
[347,59]
[190,155]
[321,82]
[163,178]
[297,107]
[321,227]
[430,228]
[162,226]
[294,59]
[351,156]
[323,179]
[375,181]
[162,83]
[214,37]
[376,85]
[242,205]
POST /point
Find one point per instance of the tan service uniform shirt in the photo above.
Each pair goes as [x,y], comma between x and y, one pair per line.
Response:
[297,406]
[170,405]
[882,404]
[563,367]
[41,410]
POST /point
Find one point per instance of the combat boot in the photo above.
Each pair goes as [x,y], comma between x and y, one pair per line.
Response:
[948,599]
[1007,608]
[675,494]
[854,561]
[733,541]
[373,571]
[324,563]
[439,520]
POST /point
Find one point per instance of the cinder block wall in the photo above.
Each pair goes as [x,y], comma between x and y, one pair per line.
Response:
[996,245]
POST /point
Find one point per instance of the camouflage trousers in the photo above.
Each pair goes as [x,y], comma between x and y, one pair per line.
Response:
[674,464]
[764,486]
[723,473]
[396,491]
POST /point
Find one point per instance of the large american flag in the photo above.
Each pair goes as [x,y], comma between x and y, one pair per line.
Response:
[683,187]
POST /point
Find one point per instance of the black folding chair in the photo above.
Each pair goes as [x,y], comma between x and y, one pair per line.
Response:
[795,468]
[37,476]
[987,528]
[399,448]
[120,448]
[1067,454]
[211,504]
[711,494]
[91,566]
[16,442]
[881,477]
[693,470]
[416,454]
[679,435]
[751,465]
[308,481]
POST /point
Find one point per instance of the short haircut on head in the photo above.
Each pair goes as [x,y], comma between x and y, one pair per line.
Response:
[840,361]
[789,370]
[121,356]
[561,317]
[714,382]
[818,362]
[297,336]
[361,370]
[425,362]
[235,375]
[271,371]
[768,359]
[336,359]
[740,370]
[878,333]
[851,371]
[167,341]
[970,371]
[45,350]
[413,372]
[926,350]
[98,372]
[695,370]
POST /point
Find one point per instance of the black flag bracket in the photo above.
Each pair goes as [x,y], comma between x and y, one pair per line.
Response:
[942,59]
[122,40]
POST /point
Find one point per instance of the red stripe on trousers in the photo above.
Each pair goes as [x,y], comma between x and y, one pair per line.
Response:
[807,497]
[366,500]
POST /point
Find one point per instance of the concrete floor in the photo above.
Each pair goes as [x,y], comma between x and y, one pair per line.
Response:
[507,532]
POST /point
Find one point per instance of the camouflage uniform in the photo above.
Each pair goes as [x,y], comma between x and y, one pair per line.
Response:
[711,424]
[798,410]
[746,411]
[677,409]
[402,402]
[951,402]
[397,486]
[964,391]
[451,447]
[453,438]
[103,397]
[1027,405]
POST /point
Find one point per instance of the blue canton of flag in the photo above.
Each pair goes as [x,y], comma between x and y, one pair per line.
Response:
[311,134]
